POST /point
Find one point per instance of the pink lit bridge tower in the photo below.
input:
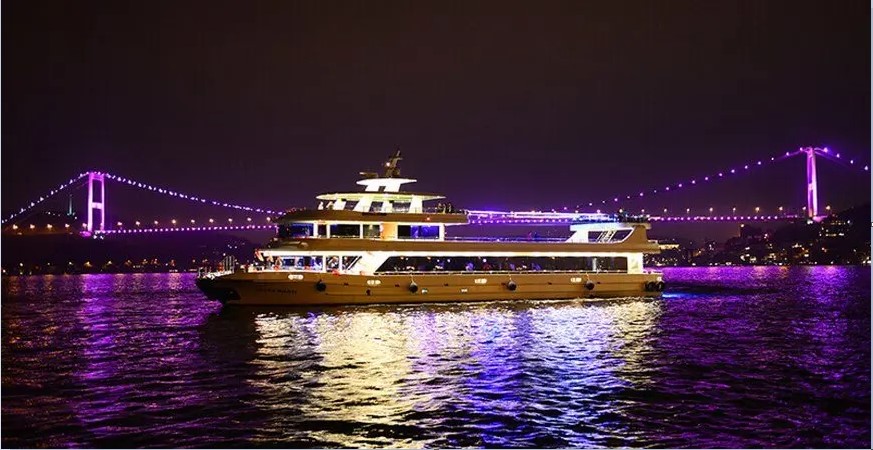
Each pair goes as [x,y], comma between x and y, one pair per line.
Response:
[812,179]
[811,193]
[96,205]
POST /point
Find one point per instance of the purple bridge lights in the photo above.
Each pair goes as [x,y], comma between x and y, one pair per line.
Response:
[95,223]
[94,206]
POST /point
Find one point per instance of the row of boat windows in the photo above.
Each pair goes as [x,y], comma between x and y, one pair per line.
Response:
[338,230]
[311,262]
[515,263]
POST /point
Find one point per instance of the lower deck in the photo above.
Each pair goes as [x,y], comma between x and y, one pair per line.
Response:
[307,288]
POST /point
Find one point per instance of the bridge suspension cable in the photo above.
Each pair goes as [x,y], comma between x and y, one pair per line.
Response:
[193,198]
[721,174]
[36,202]
[138,184]
[476,216]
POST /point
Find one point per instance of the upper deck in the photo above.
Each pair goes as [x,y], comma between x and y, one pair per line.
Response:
[381,201]
[381,212]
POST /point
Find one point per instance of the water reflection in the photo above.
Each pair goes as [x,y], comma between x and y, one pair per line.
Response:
[454,368]
[731,357]
[138,357]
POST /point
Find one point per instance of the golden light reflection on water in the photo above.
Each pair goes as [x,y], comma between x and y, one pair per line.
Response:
[377,365]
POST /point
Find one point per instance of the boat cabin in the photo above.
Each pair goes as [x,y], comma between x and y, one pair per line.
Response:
[381,211]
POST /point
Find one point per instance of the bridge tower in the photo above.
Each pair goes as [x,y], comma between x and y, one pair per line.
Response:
[811,183]
[92,205]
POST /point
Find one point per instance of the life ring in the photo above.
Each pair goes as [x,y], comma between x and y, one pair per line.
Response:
[413,287]
[589,285]
[511,285]
[320,286]
[651,286]
[660,286]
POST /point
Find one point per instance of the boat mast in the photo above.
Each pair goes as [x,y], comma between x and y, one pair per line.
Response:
[391,169]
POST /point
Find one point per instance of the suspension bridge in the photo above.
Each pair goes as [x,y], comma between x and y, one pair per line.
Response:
[260,218]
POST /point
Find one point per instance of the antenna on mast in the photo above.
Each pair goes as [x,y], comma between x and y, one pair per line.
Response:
[391,169]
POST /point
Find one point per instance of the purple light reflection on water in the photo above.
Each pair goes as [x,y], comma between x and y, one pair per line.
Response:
[731,357]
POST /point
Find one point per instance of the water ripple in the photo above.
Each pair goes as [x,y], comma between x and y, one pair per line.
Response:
[731,357]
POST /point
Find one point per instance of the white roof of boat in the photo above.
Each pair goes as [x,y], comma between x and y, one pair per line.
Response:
[403,197]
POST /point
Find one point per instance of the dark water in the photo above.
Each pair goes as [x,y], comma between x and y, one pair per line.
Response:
[731,357]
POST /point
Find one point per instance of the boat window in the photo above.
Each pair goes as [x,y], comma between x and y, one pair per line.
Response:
[322,230]
[339,230]
[332,262]
[608,235]
[612,264]
[297,262]
[349,261]
[504,264]
[372,231]
[621,235]
[295,230]
[418,231]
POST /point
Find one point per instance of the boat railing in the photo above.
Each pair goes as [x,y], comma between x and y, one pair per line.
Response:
[206,273]
[504,239]
[495,272]
[427,210]
[434,238]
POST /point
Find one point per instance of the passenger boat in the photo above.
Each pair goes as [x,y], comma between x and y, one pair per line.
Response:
[381,245]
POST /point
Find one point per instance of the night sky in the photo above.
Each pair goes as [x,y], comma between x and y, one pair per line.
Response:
[495,104]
